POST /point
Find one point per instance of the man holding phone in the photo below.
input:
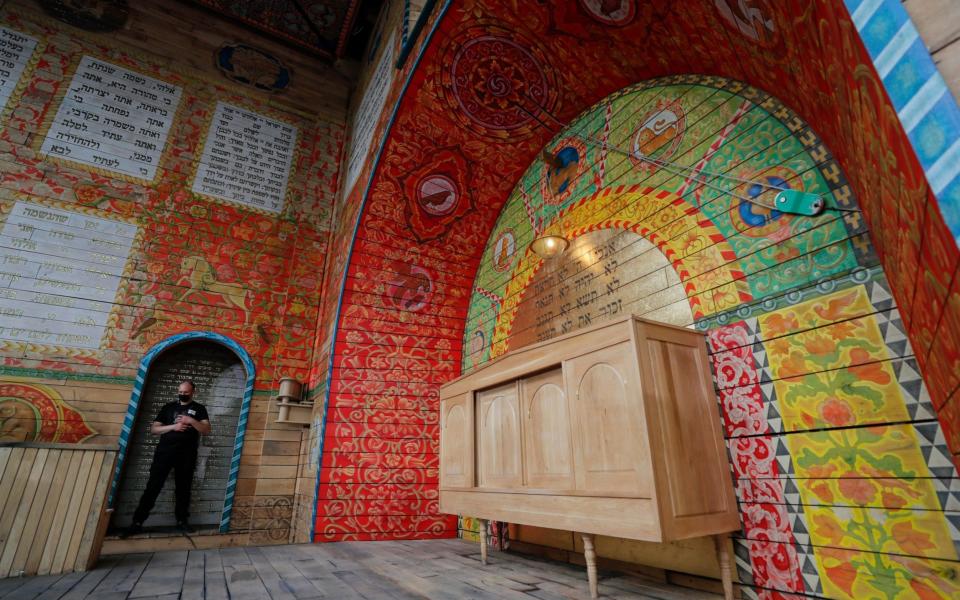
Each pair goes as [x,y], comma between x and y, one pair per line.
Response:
[179,424]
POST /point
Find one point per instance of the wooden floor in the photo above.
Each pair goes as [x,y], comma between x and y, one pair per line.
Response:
[370,570]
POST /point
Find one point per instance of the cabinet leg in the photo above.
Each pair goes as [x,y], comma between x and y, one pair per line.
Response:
[483,541]
[726,572]
[591,557]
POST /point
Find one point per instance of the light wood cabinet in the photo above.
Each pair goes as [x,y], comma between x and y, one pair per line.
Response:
[612,430]
[498,437]
[546,431]
[456,418]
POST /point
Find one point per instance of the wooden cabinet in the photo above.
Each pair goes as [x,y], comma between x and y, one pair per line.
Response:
[498,437]
[456,418]
[546,431]
[613,430]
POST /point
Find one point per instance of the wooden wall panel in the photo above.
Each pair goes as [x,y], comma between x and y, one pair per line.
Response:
[499,439]
[456,423]
[51,518]
[608,424]
[684,434]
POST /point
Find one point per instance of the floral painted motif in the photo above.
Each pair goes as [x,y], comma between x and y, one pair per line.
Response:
[766,524]
[864,483]
[33,412]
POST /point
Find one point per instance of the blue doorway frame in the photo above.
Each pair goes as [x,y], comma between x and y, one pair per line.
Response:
[134,404]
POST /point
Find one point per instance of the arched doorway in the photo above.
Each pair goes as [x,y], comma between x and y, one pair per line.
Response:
[223,375]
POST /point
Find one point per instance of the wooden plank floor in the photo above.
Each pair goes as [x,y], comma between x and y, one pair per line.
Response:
[364,570]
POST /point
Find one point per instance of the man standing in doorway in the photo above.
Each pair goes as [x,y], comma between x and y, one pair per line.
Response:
[179,425]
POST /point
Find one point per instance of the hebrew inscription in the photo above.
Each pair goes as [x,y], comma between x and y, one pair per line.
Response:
[15,52]
[113,119]
[59,274]
[604,274]
[246,159]
[368,113]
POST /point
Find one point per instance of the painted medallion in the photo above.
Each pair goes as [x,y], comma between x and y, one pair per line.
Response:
[658,136]
[615,13]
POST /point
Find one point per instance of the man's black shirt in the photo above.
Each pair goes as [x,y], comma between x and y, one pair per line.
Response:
[188,439]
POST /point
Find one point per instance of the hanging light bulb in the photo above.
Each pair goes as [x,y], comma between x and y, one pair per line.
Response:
[548,246]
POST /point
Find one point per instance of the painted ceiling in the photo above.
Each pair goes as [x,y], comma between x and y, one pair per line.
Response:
[321,26]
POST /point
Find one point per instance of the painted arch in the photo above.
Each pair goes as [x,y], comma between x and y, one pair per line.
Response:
[726,250]
[797,302]
[410,268]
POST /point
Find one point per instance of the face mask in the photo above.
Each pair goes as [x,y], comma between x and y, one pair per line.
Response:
[184,397]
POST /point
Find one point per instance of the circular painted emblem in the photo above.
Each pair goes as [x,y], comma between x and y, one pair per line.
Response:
[658,136]
[615,13]
[252,66]
[477,344]
[563,165]
[409,287]
[504,249]
[437,194]
[751,18]
[321,14]
[499,83]
[755,220]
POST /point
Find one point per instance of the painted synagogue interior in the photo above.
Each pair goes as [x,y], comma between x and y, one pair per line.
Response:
[649,287]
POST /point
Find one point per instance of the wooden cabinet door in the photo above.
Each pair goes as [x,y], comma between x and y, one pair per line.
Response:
[687,432]
[456,442]
[610,448]
[498,437]
[547,445]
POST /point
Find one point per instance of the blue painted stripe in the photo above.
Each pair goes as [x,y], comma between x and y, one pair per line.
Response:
[918,106]
[950,206]
[862,13]
[927,111]
[895,49]
[942,172]
[406,22]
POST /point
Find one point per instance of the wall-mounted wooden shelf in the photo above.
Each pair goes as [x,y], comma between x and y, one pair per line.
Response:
[299,413]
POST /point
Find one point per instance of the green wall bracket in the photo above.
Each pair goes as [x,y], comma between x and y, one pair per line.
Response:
[797,202]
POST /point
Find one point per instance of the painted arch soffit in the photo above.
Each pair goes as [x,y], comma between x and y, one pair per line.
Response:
[635,162]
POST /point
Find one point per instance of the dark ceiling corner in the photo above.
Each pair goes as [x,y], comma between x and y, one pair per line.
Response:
[329,29]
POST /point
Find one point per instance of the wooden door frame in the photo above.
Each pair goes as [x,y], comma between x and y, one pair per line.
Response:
[140,383]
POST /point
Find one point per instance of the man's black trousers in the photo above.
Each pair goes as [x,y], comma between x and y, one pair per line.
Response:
[182,461]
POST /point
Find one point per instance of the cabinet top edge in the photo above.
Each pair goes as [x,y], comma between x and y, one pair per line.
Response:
[613,323]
